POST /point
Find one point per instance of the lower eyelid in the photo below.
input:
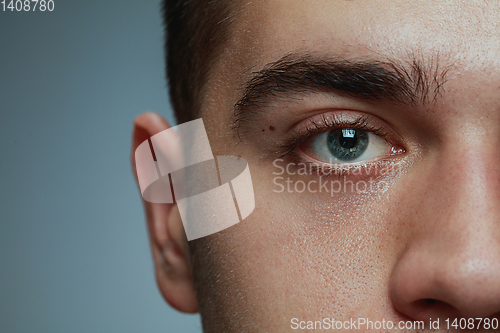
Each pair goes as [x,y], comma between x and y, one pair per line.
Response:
[374,169]
[301,157]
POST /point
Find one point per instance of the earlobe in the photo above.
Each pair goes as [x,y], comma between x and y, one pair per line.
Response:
[174,277]
[166,232]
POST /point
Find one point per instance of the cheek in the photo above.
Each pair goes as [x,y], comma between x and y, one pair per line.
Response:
[308,254]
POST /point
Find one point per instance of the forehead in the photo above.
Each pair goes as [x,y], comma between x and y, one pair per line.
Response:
[455,31]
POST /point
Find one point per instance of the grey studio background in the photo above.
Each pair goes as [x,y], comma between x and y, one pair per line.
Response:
[74,254]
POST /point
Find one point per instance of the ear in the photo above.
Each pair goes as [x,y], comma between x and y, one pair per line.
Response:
[166,232]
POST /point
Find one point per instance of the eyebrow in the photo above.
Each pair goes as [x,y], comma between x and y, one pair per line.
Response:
[407,83]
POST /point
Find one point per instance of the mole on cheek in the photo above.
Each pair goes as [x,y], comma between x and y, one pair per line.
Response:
[272,128]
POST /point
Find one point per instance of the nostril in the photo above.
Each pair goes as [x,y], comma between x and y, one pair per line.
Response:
[426,303]
[434,308]
[430,301]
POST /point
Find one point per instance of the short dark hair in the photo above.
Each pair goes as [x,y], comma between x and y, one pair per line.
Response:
[195,32]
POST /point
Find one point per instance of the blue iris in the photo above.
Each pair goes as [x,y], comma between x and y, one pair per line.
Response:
[347,143]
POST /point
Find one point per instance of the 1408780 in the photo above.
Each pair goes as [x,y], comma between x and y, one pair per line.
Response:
[28,5]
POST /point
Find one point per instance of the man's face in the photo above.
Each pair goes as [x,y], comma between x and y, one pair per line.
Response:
[407,227]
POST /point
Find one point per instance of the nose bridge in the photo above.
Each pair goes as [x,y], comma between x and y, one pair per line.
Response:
[467,178]
[465,204]
[463,170]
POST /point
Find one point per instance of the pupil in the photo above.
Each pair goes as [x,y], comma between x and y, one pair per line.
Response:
[348,139]
[347,143]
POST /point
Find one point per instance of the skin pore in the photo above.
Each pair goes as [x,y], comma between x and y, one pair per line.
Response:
[425,246]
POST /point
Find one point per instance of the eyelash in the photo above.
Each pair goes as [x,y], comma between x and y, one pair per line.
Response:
[290,145]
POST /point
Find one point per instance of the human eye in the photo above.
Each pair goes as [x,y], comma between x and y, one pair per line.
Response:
[338,142]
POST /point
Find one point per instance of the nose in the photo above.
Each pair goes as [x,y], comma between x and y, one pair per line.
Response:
[450,267]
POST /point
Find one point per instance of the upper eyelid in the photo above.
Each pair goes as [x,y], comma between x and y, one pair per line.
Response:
[325,125]
[374,123]
[336,119]
[361,122]
[299,138]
